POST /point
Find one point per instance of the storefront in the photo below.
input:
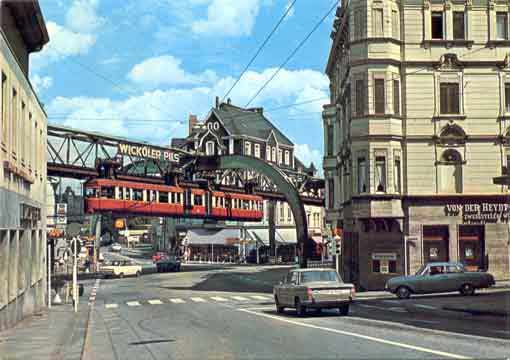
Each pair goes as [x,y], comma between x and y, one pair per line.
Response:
[472,230]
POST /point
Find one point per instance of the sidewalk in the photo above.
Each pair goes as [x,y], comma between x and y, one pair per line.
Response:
[55,333]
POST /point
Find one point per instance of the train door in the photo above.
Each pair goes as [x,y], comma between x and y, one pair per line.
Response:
[208,198]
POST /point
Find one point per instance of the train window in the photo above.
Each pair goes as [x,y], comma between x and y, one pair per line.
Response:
[138,194]
[178,198]
[108,192]
[163,197]
[125,193]
[198,200]
[214,201]
[91,193]
[152,195]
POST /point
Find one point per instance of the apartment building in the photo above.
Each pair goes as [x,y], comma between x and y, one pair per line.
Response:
[417,127]
[22,165]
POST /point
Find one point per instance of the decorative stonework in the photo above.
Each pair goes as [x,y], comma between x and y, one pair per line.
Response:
[449,62]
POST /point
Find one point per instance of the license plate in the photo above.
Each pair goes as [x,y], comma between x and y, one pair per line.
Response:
[334,292]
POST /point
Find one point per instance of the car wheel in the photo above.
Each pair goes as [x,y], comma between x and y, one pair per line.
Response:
[467,289]
[121,275]
[279,309]
[138,273]
[300,308]
[343,310]
[403,292]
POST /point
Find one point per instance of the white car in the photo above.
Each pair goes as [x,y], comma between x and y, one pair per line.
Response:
[116,247]
[121,268]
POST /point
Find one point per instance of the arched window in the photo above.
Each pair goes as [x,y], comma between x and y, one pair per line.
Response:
[450,172]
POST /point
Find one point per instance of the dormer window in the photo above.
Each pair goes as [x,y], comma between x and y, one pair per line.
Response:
[247,148]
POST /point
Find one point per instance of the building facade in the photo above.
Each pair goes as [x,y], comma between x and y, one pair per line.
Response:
[23,165]
[232,130]
[417,127]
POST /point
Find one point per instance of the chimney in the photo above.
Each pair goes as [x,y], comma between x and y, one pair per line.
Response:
[217,102]
[192,121]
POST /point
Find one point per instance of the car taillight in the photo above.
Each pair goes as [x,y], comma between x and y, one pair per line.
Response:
[310,294]
[353,292]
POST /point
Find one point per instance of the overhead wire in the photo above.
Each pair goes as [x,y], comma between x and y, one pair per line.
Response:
[268,37]
[291,55]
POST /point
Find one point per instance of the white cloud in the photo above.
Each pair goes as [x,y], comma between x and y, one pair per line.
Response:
[111,60]
[82,16]
[41,82]
[167,70]
[308,155]
[229,18]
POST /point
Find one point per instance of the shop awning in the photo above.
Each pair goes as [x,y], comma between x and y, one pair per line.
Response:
[261,236]
[213,236]
[286,236]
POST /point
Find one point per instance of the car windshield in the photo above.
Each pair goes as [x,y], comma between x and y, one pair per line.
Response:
[420,270]
[311,276]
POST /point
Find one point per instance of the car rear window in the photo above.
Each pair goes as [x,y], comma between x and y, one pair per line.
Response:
[311,276]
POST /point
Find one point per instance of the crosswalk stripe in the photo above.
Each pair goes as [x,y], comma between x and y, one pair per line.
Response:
[133,303]
[197,299]
[239,298]
[259,297]
[177,301]
[111,306]
[218,298]
[155,302]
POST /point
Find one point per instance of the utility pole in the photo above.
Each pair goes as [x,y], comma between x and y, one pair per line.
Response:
[48,257]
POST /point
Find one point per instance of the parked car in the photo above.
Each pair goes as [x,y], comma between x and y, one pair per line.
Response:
[439,277]
[121,268]
[313,288]
[170,263]
[116,247]
[159,255]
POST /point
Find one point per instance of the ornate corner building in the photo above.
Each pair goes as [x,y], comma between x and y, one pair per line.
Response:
[22,165]
[417,127]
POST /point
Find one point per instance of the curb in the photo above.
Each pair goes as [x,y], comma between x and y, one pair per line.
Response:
[477,311]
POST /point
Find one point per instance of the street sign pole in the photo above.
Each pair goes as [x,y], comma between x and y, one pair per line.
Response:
[48,257]
[75,276]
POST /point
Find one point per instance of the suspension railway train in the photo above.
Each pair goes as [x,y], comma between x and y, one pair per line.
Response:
[133,198]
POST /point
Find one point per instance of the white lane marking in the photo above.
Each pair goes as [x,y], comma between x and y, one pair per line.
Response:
[197,299]
[370,306]
[260,297]
[177,301]
[240,298]
[133,303]
[397,309]
[426,321]
[361,336]
[218,298]
[155,302]
[260,308]
[111,306]
[425,306]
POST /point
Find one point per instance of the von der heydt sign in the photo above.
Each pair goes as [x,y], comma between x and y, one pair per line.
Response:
[147,151]
[480,212]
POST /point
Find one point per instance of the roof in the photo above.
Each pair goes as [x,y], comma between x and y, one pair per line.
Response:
[249,122]
[30,22]
[178,142]
[212,236]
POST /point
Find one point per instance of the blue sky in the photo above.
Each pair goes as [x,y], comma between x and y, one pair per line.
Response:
[138,69]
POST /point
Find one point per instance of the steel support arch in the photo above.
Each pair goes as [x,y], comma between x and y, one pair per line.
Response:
[291,194]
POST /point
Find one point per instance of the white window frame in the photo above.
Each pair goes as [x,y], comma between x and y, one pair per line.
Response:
[247,148]
[287,157]
[207,150]
[256,150]
[380,153]
[507,25]
[273,154]
[280,156]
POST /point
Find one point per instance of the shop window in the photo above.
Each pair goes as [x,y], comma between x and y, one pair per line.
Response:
[376,266]
[396,97]
[360,97]
[362,175]
[384,266]
[395,24]
[437,25]
[449,102]
[379,96]
[459,30]
[257,150]
[380,173]
[502,26]
[378,22]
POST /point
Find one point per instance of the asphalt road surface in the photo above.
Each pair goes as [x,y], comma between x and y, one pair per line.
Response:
[220,312]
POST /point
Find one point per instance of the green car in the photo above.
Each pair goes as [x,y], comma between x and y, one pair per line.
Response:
[439,277]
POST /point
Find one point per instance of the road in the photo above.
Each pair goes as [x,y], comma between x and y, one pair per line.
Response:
[226,312]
